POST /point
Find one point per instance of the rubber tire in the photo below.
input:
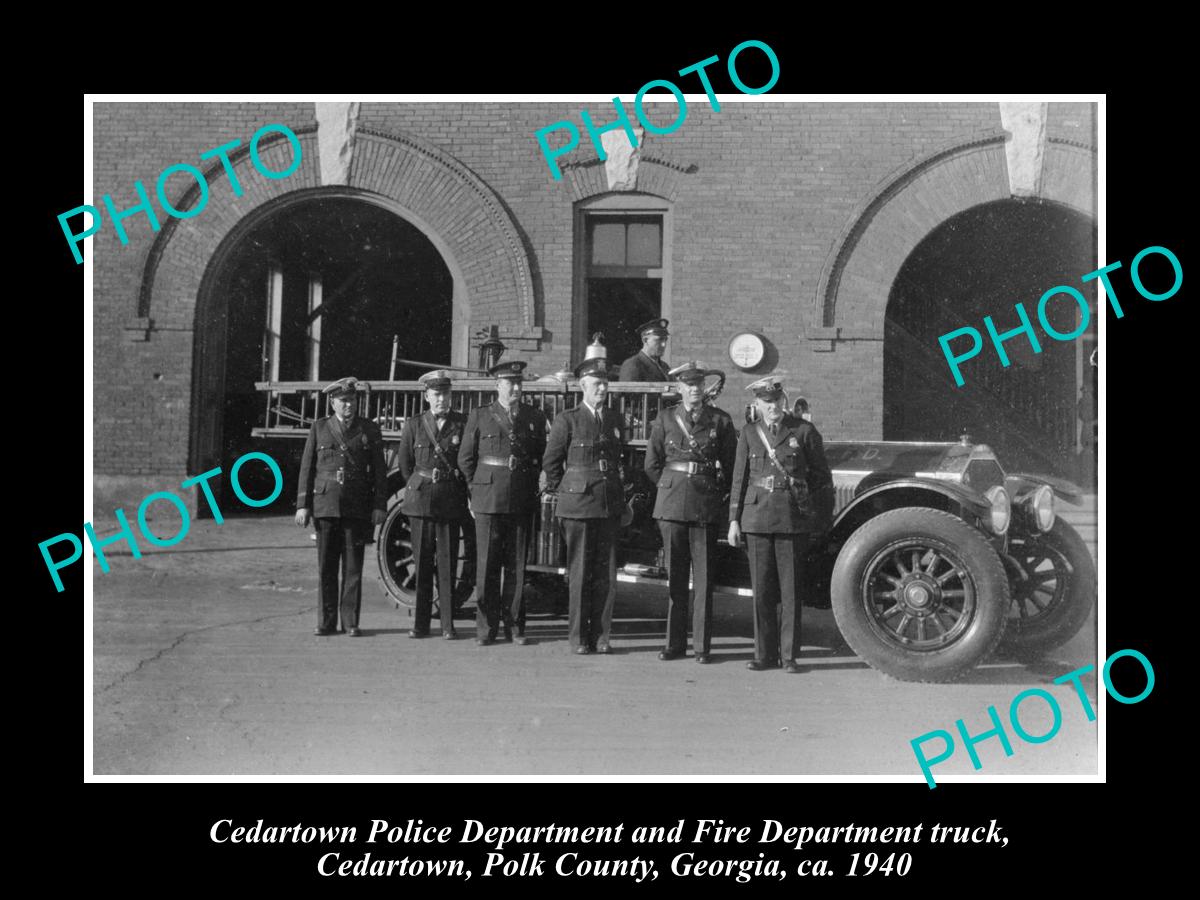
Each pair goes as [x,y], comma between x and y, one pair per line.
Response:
[407,597]
[983,566]
[395,519]
[1050,631]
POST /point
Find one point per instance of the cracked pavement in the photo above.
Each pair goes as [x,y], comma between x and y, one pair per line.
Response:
[204,664]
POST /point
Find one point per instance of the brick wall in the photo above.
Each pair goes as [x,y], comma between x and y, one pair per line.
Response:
[769,192]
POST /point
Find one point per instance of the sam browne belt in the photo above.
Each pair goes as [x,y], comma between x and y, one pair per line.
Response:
[436,475]
[692,467]
[773,482]
[601,465]
[505,462]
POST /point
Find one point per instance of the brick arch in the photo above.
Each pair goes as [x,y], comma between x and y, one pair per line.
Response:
[464,218]
[659,177]
[856,280]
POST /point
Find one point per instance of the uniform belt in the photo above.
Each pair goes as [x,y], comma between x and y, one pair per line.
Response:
[435,474]
[504,462]
[601,465]
[772,483]
[692,467]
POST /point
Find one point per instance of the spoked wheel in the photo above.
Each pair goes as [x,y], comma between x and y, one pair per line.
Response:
[1053,585]
[919,594]
[398,567]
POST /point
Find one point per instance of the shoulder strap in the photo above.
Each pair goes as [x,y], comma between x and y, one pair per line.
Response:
[437,448]
[762,436]
[335,428]
[687,432]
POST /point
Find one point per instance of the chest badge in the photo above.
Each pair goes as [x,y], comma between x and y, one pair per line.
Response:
[617,433]
[712,433]
[454,439]
[793,443]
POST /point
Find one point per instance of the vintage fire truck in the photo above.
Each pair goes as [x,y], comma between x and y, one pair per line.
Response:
[933,555]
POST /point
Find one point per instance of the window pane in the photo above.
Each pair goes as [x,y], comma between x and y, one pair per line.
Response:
[608,243]
[645,244]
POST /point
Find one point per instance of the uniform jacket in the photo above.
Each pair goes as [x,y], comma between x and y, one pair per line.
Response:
[801,452]
[698,497]
[572,464]
[501,489]
[356,452]
[641,367]
[445,498]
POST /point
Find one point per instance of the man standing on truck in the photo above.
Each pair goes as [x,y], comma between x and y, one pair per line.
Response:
[501,456]
[780,478]
[582,463]
[647,364]
[690,458]
[343,487]
[435,499]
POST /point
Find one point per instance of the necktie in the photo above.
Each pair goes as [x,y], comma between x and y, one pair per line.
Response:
[599,421]
[774,430]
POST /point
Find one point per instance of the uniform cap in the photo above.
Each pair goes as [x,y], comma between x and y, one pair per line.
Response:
[597,367]
[654,326]
[692,370]
[769,388]
[342,386]
[437,380]
[514,368]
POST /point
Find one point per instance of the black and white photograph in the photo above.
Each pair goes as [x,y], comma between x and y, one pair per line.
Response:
[703,434]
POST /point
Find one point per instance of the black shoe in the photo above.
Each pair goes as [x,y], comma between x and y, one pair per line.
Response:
[485,641]
[666,655]
[323,632]
[413,633]
[703,658]
[520,640]
[353,632]
[791,667]
[603,649]
[450,635]
[761,665]
[583,651]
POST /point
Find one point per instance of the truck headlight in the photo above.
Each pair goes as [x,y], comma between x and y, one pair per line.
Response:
[1041,507]
[1001,513]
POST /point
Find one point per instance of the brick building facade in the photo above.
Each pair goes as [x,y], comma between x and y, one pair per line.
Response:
[799,221]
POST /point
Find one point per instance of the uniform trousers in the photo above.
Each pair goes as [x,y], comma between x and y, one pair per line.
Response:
[777,577]
[340,540]
[592,577]
[690,549]
[502,541]
[428,534]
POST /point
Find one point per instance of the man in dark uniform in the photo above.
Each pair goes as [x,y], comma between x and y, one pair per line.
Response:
[435,499]
[343,485]
[647,364]
[690,458]
[501,456]
[582,463]
[780,482]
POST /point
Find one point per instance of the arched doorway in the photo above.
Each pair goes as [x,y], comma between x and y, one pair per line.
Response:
[313,290]
[977,263]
